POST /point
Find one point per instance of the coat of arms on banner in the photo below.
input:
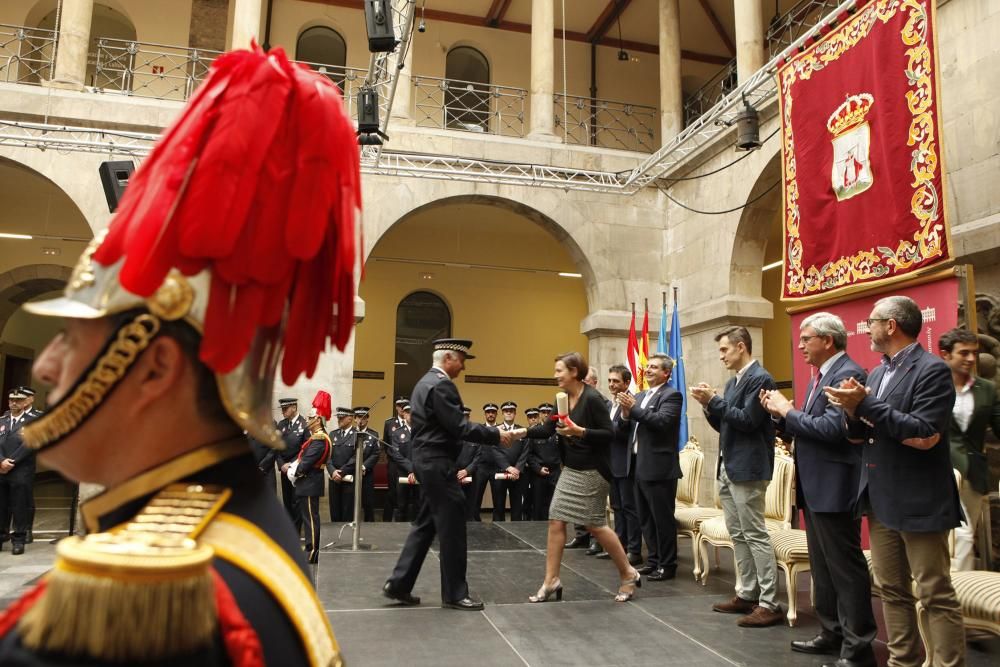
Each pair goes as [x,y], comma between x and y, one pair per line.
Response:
[852,171]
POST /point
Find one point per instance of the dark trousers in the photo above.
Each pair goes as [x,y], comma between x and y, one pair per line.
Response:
[15,504]
[407,501]
[368,496]
[269,481]
[309,507]
[391,494]
[542,490]
[442,513]
[655,501]
[291,502]
[480,480]
[627,525]
[469,493]
[842,589]
[501,488]
[341,501]
[527,495]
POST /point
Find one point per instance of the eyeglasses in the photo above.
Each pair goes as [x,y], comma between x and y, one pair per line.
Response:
[805,339]
[876,319]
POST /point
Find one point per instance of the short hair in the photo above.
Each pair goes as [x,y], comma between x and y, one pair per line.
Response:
[591,371]
[623,371]
[828,324]
[904,310]
[668,363]
[575,361]
[439,355]
[949,339]
[736,335]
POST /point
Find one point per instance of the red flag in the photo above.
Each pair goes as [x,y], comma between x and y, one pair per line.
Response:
[632,353]
[643,355]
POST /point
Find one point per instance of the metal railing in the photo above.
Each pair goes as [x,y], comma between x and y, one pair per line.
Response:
[605,123]
[785,29]
[721,84]
[145,69]
[27,55]
[349,79]
[468,106]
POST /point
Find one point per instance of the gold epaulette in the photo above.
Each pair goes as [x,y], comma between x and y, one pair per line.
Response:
[141,591]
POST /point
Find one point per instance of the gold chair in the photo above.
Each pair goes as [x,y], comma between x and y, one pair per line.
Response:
[692,459]
[689,520]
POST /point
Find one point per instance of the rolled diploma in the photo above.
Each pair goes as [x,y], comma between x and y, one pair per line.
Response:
[562,405]
[406,480]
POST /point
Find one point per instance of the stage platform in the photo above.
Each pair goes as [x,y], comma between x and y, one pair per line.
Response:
[669,623]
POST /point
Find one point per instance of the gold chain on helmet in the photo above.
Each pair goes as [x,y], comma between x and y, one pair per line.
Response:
[69,413]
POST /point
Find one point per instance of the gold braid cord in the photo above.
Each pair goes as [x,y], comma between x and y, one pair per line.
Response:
[69,413]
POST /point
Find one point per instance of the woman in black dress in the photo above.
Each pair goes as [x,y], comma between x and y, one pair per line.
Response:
[582,490]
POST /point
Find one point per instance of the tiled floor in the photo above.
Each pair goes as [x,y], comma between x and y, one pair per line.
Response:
[669,623]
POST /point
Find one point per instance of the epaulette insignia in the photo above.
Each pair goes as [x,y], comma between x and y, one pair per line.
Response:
[148,577]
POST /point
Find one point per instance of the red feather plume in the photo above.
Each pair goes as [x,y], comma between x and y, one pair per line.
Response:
[258,180]
[323,404]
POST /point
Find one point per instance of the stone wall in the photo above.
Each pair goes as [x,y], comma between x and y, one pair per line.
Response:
[208,24]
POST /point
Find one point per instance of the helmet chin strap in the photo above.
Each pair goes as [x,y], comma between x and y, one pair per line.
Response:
[95,384]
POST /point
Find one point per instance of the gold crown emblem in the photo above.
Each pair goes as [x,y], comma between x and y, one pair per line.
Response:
[850,114]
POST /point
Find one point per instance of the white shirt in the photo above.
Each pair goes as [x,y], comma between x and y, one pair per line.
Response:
[645,401]
[740,373]
[964,405]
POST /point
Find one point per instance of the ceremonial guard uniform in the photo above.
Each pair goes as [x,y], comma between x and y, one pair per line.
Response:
[310,471]
[176,316]
[543,453]
[294,432]
[515,456]
[468,471]
[391,424]
[371,449]
[340,465]
[401,454]
[16,484]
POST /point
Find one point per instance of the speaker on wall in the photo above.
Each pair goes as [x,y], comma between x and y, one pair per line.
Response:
[114,178]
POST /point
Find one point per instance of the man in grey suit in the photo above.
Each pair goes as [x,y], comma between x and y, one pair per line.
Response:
[827,471]
[746,461]
[907,486]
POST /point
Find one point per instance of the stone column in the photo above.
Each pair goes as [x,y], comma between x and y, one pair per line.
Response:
[246,23]
[542,70]
[750,54]
[671,96]
[74,41]
[404,86]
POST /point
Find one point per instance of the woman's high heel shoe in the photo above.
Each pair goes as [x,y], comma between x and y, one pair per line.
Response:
[545,592]
[635,582]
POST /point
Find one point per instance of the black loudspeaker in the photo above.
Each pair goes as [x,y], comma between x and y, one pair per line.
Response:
[378,20]
[114,177]
[367,110]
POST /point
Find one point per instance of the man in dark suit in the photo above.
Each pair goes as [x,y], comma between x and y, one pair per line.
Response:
[391,424]
[652,421]
[511,461]
[907,486]
[341,466]
[746,462]
[468,469]
[623,493]
[294,432]
[438,431]
[828,468]
[17,471]
[976,409]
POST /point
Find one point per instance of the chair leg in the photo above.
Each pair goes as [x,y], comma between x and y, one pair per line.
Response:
[791,577]
[703,553]
[696,556]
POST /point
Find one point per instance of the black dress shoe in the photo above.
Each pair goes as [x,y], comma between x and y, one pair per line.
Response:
[647,569]
[594,549]
[578,542]
[818,645]
[635,559]
[662,574]
[29,538]
[465,604]
[17,549]
[403,598]
[844,662]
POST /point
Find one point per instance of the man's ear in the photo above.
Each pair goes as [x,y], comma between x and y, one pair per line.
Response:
[157,372]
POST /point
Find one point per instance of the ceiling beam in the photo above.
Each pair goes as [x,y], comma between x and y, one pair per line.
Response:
[496,12]
[719,28]
[611,13]
[511,26]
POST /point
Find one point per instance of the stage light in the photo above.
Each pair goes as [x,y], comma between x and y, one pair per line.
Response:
[369,133]
[747,128]
[378,20]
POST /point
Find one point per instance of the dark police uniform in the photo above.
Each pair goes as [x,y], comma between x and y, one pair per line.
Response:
[16,501]
[370,451]
[515,456]
[401,454]
[309,476]
[265,458]
[486,469]
[391,424]
[468,460]
[342,459]
[294,432]
[543,453]
[438,431]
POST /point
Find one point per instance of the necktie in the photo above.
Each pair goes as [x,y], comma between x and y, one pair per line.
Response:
[814,391]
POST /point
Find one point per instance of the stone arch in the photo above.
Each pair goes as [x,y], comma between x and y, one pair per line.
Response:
[27,282]
[755,230]
[86,196]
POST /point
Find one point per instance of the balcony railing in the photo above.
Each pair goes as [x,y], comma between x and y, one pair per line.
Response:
[605,123]
[788,27]
[349,79]
[152,70]
[706,97]
[468,106]
[27,55]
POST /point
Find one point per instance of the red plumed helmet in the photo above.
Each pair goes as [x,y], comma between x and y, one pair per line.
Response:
[323,405]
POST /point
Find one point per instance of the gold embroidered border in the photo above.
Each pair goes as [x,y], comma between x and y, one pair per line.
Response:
[925,203]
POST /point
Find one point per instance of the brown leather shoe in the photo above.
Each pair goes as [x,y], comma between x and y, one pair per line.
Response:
[735,606]
[761,617]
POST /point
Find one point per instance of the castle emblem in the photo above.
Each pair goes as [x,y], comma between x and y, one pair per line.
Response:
[851,172]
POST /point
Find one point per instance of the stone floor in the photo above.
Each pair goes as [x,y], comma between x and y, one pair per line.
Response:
[668,622]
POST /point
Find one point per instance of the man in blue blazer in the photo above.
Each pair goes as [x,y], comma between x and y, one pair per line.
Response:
[652,419]
[907,486]
[827,471]
[623,502]
[746,462]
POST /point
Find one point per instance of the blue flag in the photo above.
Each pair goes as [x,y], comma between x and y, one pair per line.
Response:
[661,342]
[677,380]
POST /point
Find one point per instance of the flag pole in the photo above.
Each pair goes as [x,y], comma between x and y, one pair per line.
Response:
[664,299]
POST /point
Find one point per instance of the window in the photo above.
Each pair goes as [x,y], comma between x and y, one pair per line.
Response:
[324,50]
[421,318]
[467,98]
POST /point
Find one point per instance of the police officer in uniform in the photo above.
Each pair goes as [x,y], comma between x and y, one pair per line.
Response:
[468,469]
[438,431]
[17,471]
[545,463]
[31,413]
[341,465]
[309,474]
[487,465]
[391,424]
[265,457]
[401,454]
[371,449]
[510,461]
[294,432]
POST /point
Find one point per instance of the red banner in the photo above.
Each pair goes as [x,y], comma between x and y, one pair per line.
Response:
[861,153]
[938,302]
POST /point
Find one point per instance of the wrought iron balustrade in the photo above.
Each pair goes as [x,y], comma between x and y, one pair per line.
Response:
[785,29]
[349,79]
[152,70]
[721,84]
[605,123]
[27,55]
[468,106]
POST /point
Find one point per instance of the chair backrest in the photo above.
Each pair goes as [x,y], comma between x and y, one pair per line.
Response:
[781,491]
[692,459]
